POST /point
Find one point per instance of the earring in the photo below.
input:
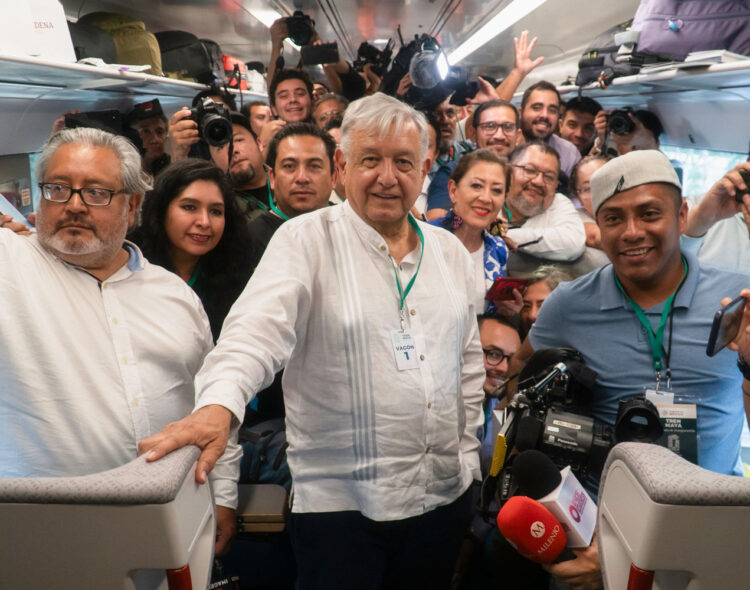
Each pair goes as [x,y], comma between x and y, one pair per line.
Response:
[457,220]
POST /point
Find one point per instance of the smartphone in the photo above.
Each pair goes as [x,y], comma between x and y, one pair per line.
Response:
[726,325]
[502,288]
[746,178]
[326,53]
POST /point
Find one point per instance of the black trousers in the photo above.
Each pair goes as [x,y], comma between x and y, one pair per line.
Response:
[345,550]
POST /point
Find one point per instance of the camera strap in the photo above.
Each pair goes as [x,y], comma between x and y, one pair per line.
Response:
[656,339]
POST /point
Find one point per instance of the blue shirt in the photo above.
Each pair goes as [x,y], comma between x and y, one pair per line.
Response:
[437,193]
[591,315]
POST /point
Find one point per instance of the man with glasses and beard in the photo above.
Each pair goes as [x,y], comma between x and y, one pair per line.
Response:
[98,347]
[543,224]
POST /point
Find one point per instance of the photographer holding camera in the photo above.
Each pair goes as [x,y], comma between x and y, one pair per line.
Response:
[642,322]
[227,139]
[629,129]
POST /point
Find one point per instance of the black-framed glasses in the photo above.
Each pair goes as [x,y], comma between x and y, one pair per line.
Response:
[531,172]
[491,127]
[93,196]
[495,356]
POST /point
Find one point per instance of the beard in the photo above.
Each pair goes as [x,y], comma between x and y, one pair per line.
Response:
[525,206]
[242,177]
[529,133]
[81,249]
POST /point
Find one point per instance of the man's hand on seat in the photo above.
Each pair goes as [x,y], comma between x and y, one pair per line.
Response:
[226,528]
[582,573]
[207,428]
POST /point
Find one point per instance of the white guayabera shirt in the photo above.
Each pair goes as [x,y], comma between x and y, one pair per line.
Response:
[364,434]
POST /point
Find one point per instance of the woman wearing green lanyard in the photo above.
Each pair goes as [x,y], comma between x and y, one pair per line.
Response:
[191,225]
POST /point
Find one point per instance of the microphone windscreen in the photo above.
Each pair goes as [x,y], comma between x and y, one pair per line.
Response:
[531,529]
[535,474]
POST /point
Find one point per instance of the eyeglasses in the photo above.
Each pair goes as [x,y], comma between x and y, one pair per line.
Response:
[531,172]
[491,127]
[495,356]
[94,197]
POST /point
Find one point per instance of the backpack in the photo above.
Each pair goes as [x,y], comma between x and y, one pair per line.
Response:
[606,59]
[679,27]
[134,44]
[91,41]
[185,57]
[264,453]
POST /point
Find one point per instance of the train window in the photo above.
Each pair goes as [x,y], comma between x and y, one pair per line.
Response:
[701,168]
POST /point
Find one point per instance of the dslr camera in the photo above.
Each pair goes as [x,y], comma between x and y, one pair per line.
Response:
[620,122]
[214,124]
[300,28]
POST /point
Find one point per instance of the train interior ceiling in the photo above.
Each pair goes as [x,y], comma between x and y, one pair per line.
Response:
[699,110]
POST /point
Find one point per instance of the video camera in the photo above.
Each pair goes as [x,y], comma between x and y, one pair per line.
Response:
[378,60]
[214,123]
[433,78]
[551,412]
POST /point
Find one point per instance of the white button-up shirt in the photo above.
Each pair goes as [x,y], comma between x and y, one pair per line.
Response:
[89,368]
[561,230]
[363,435]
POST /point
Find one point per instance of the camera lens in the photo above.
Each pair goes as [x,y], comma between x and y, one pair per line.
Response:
[620,122]
[637,420]
[216,130]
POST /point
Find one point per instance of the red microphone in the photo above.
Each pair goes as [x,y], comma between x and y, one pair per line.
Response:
[532,529]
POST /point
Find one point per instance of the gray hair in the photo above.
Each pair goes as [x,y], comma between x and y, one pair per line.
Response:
[379,114]
[331,96]
[134,180]
[551,275]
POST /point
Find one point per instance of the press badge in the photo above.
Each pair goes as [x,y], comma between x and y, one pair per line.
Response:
[405,350]
[680,423]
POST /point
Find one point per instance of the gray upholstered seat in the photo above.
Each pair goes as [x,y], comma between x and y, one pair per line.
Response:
[667,478]
[137,482]
[120,529]
[681,524]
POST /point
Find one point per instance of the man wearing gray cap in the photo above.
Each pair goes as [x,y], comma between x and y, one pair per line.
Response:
[642,322]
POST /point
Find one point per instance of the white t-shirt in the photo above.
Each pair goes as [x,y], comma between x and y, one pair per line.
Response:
[480,289]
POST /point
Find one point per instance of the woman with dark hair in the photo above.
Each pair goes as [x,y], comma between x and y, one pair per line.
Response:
[192,226]
[477,190]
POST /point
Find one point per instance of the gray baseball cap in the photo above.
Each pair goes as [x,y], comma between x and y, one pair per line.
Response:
[628,171]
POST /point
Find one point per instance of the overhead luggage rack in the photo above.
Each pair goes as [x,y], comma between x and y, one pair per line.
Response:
[691,101]
[34,92]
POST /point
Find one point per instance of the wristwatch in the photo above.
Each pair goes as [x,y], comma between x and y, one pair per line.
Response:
[744,367]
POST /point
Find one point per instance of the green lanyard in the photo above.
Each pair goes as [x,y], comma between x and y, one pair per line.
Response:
[273,206]
[451,153]
[656,339]
[402,293]
[196,273]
